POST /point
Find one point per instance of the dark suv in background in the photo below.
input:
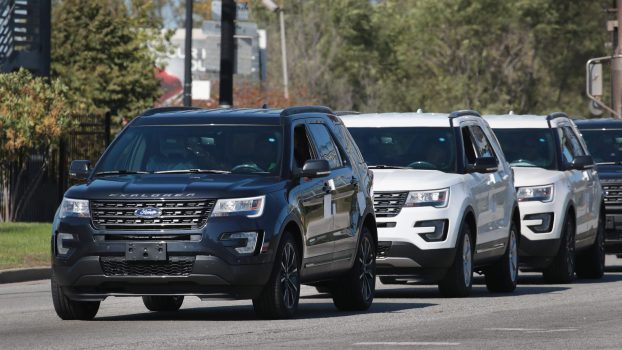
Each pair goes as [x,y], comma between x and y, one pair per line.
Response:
[604,140]
[233,203]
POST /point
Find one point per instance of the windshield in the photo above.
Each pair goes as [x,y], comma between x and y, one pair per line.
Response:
[605,145]
[528,147]
[249,149]
[413,147]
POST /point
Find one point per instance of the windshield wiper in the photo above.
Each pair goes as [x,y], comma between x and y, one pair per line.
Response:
[382,166]
[119,172]
[182,171]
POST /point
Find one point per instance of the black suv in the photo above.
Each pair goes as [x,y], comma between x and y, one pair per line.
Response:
[233,203]
[604,140]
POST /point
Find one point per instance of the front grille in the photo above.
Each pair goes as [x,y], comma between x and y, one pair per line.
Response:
[389,204]
[175,266]
[613,192]
[176,214]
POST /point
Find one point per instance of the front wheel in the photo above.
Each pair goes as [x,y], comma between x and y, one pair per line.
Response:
[163,303]
[280,296]
[355,291]
[502,277]
[563,267]
[458,281]
[68,309]
[591,263]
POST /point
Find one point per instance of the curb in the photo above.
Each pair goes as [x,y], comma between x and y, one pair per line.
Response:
[25,275]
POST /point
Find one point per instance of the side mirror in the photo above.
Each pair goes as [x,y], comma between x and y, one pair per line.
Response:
[483,165]
[582,163]
[80,169]
[315,168]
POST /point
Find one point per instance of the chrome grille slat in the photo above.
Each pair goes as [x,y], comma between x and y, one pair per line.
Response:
[612,192]
[389,204]
[176,214]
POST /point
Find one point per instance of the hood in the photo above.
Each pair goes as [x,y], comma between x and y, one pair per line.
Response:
[412,179]
[526,176]
[609,171]
[176,186]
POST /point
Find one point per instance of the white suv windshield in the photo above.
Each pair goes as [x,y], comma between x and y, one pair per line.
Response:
[413,147]
[528,147]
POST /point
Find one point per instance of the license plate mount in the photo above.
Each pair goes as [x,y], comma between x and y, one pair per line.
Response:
[145,251]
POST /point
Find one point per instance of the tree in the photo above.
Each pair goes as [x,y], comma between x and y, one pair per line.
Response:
[33,115]
[106,52]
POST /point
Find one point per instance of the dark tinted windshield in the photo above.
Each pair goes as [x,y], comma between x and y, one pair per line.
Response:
[528,147]
[414,147]
[604,145]
[252,149]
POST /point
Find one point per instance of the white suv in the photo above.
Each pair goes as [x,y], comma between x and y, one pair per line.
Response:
[444,199]
[559,195]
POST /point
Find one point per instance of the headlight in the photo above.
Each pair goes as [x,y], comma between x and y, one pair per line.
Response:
[535,193]
[434,198]
[74,207]
[249,207]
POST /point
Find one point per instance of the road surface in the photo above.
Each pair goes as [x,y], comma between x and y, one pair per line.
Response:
[587,314]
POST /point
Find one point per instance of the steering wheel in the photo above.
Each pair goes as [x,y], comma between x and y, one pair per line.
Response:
[247,168]
[522,162]
[422,165]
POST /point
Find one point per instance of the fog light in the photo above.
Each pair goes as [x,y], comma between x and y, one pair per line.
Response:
[62,243]
[242,242]
[432,230]
[539,223]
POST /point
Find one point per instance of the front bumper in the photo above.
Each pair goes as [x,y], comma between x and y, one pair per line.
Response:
[210,270]
[613,232]
[407,260]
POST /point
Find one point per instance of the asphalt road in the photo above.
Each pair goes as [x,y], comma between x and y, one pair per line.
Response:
[584,315]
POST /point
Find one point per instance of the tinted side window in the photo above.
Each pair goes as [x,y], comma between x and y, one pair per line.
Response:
[302,149]
[469,146]
[482,145]
[324,145]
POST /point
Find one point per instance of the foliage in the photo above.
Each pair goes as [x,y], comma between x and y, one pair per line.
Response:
[33,115]
[24,245]
[396,55]
[105,52]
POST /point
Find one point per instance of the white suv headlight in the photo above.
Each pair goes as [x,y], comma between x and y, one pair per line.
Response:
[74,207]
[433,198]
[535,193]
[250,207]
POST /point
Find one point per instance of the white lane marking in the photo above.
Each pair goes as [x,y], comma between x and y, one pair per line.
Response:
[532,330]
[407,343]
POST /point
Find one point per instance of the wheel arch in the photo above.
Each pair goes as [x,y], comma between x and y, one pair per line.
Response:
[470,219]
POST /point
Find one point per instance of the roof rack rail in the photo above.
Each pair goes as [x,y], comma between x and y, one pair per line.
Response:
[340,113]
[305,109]
[157,110]
[556,115]
[463,113]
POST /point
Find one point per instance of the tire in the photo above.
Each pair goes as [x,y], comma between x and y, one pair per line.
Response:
[591,263]
[279,298]
[503,276]
[163,303]
[355,291]
[458,281]
[68,309]
[562,268]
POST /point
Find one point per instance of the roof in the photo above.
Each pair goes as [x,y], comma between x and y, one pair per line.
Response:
[372,120]
[181,116]
[603,123]
[515,121]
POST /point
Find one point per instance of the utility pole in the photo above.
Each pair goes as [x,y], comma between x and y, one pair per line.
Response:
[227,52]
[616,67]
[188,56]
[272,6]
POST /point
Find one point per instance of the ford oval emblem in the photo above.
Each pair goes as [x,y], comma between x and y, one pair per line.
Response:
[148,213]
